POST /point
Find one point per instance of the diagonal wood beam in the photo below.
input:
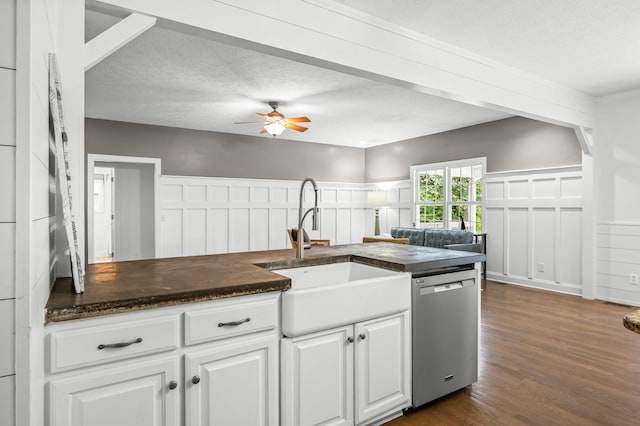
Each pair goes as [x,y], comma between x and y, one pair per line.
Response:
[585,137]
[103,45]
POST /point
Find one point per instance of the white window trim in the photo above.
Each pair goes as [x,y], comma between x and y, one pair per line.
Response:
[445,165]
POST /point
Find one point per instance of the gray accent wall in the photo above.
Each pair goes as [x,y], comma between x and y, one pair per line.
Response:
[186,152]
[514,143]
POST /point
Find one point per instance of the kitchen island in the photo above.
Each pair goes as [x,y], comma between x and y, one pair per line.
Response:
[202,339]
[120,287]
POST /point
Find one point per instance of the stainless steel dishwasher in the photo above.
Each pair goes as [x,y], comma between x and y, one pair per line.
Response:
[445,333]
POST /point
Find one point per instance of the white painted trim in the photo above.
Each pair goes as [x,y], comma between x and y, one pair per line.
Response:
[536,284]
[157,171]
[558,169]
[112,39]
[585,138]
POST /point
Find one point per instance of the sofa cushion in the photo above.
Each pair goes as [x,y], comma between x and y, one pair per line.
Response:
[415,236]
[440,238]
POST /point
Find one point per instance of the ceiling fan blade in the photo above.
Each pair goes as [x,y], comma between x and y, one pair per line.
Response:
[263,130]
[262,115]
[295,127]
[298,120]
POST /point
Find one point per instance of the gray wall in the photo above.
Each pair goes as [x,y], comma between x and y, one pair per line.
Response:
[198,153]
[514,143]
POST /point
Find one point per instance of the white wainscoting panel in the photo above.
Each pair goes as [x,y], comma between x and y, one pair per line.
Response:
[533,226]
[8,183]
[617,257]
[207,215]
[7,260]
[7,400]
[7,337]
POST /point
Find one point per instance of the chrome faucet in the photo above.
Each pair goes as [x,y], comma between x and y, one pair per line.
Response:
[302,214]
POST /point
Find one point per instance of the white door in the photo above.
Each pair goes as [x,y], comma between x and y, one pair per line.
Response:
[102,214]
[233,384]
[137,394]
[317,378]
[383,366]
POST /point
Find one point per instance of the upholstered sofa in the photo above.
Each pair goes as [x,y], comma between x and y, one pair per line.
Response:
[439,238]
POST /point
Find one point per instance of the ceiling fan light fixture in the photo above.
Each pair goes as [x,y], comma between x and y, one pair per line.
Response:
[274,129]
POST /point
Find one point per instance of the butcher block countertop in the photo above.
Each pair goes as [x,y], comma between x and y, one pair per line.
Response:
[119,287]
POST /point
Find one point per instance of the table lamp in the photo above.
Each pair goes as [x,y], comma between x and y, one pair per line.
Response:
[377,199]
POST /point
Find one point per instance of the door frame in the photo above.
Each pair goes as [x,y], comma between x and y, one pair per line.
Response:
[92,159]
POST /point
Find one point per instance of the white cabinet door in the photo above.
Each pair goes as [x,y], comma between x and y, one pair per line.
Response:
[318,378]
[233,384]
[383,366]
[135,394]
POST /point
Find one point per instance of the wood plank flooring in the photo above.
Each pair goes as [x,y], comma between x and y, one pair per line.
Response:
[546,359]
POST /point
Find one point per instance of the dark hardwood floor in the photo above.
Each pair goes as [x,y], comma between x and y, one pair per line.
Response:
[546,359]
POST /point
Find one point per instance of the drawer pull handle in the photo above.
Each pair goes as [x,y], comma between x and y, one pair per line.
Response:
[233,323]
[120,345]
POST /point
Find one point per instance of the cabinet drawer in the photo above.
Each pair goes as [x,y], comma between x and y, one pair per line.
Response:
[100,344]
[228,321]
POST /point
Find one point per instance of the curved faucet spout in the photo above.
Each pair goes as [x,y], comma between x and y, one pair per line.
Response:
[302,215]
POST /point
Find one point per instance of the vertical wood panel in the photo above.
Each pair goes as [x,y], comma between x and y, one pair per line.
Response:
[518,224]
[7,337]
[277,228]
[8,184]
[260,229]
[343,233]
[544,243]
[357,225]
[7,104]
[570,262]
[218,231]
[171,233]
[7,260]
[328,225]
[195,242]
[7,400]
[195,193]
[495,241]
[239,230]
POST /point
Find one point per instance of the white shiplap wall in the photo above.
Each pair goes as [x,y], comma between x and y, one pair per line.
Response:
[533,225]
[206,215]
[7,209]
[617,257]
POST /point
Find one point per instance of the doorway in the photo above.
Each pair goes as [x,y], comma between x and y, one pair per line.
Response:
[122,208]
[103,214]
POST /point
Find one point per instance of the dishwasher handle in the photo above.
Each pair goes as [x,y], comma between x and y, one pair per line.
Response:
[450,286]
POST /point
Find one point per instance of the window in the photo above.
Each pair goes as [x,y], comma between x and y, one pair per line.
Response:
[448,195]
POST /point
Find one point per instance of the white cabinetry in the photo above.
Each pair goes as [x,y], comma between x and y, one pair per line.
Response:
[357,374]
[127,369]
[235,384]
[132,395]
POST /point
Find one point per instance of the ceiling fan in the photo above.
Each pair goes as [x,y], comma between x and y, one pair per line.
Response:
[275,122]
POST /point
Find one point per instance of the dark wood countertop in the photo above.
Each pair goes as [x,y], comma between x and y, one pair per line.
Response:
[118,287]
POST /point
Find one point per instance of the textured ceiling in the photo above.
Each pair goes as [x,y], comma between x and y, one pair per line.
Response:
[172,79]
[590,45]
[169,78]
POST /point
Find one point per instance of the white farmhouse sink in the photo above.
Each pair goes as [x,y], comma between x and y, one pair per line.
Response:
[327,296]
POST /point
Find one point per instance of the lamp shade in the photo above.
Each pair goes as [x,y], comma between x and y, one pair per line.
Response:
[274,129]
[377,198]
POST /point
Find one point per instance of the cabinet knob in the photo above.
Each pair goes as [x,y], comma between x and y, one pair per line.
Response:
[362,336]
[350,339]
[195,380]
[173,384]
